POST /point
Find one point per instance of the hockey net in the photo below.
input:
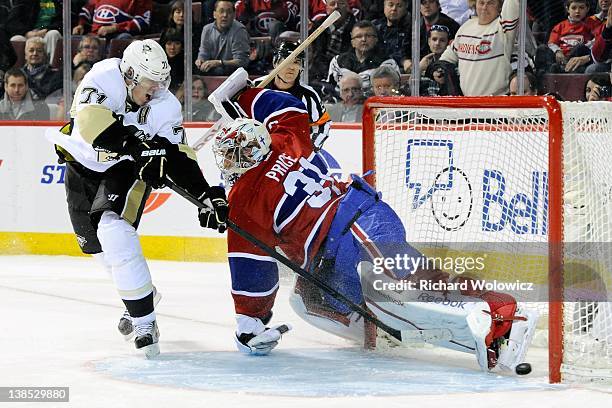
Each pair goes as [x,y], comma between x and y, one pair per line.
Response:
[525,184]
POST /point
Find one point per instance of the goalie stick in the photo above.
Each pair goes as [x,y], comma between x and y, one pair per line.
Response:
[202,141]
[406,337]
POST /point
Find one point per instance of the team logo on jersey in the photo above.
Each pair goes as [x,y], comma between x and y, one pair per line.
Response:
[106,14]
[484,47]
[264,20]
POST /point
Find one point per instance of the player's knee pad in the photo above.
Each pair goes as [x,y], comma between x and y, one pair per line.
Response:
[123,253]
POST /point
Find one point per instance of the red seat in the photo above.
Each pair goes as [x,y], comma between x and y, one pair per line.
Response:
[19,47]
[117,47]
[213,82]
[76,40]
[196,10]
[569,86]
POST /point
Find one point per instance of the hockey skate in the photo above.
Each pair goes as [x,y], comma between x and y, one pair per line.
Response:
[125,326]
[253,337]
[147,338]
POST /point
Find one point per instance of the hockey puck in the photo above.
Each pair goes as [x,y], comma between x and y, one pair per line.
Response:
[523,369]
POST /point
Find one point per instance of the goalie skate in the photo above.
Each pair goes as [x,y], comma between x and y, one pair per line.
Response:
[125,326]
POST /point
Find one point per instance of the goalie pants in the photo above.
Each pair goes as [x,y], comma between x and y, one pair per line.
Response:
[364,229]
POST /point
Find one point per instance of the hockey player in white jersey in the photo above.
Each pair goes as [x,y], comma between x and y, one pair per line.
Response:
[112,166]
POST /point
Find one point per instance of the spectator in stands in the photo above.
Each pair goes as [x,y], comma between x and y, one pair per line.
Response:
[46,22]
[173,45]
[458,10]
[89,50]
[546,14]
[601,17]
[437,42]
[385,82]
[225,43]
[394,32]
[439,79]
[350,108]
[431,14]
[16,17]
[567,49]
[79,72]
[202,109]
[374,9]
[18,103]
[120,19]
[602,45]
[334,41]
[268,17]
[483,46]
[8,57]
[530,84]
[598,88]
[42,80]
[363,57]
[176,21]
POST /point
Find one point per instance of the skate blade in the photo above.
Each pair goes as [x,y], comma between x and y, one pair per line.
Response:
[128,337]
[150,351]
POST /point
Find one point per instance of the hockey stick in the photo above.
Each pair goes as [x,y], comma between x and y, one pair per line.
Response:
[331,19]
[362,311]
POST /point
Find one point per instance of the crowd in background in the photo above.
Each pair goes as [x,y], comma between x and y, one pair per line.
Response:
[368,51]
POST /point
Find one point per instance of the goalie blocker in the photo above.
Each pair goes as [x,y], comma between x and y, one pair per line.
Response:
[330,228]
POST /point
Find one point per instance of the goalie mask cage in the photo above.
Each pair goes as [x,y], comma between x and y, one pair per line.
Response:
[526,179]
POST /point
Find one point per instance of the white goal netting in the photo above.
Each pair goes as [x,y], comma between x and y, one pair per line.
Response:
[475,182]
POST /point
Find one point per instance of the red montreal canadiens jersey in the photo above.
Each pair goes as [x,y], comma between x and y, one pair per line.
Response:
[568,36]
[130,16]
[288,201]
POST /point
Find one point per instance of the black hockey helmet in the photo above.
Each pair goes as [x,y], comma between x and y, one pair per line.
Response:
[284,50]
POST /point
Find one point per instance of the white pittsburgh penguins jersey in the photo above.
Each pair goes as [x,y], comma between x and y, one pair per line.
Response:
[104,87]
[162,117]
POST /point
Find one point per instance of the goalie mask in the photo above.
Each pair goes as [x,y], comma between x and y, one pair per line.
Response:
[145,64]
[241,146]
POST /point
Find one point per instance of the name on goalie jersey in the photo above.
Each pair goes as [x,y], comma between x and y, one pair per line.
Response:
[280,167]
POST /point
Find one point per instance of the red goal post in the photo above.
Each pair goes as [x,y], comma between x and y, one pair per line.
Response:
[471,130]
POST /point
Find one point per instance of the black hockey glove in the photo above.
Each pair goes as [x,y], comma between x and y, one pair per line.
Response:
[215,217]
[150,158]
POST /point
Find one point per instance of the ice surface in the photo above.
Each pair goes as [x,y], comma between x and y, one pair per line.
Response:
[58,317]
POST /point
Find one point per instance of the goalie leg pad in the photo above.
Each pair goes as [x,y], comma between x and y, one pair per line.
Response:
[514,349]
[348,326]
[123,253]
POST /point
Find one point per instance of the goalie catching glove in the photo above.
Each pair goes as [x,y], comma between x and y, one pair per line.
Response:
[253,337]
[215,215]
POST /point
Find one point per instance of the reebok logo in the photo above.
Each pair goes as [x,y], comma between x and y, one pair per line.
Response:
[153,152]
[428,298]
